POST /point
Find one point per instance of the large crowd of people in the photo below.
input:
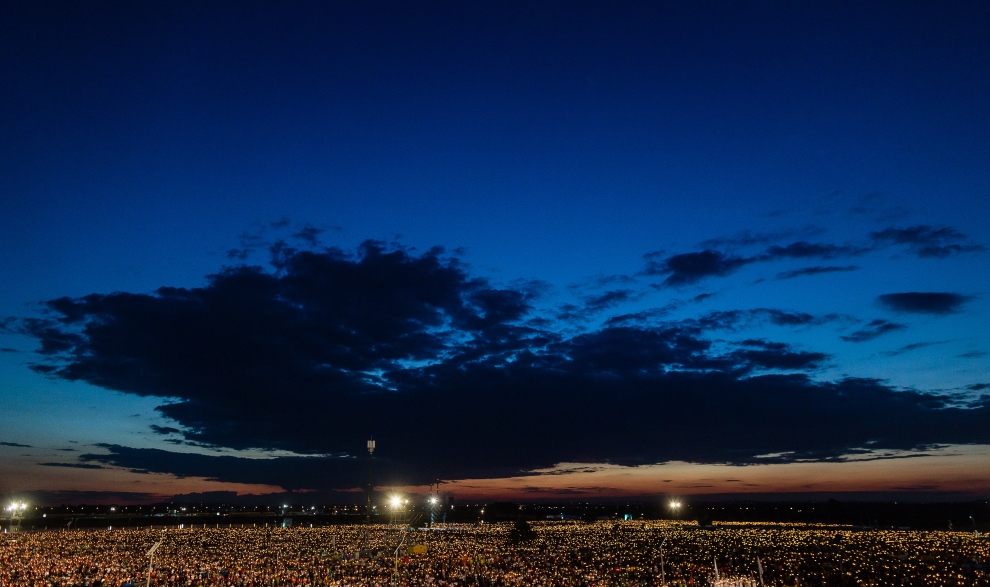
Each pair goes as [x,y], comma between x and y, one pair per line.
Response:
[619,554]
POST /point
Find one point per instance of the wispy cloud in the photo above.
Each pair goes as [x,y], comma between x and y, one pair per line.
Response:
[875,328]
[816,270]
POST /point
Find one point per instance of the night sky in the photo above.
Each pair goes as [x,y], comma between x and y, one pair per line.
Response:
[538,250]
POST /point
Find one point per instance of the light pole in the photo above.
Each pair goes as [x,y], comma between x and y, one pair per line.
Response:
[433,509]
[371,450]
[16,510]
[395,568]
[663,574]
[151,557]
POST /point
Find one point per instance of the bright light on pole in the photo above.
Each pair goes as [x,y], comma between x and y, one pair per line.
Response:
[396,502]
[16,510]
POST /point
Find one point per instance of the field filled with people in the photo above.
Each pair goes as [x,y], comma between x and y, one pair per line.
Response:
[623,554]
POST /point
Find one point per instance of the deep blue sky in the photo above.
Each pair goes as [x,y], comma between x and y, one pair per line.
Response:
[799,188]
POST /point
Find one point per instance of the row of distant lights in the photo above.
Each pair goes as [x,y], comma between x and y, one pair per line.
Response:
[395,502]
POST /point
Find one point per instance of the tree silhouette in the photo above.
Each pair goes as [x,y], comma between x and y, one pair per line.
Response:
[522,532]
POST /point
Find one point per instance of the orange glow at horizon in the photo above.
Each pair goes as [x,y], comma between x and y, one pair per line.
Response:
[22,475]
[960,470]
[956,469]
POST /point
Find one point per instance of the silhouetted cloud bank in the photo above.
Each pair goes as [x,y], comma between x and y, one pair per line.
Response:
[459,378]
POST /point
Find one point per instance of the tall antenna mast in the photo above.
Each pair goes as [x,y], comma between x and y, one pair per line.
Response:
[371,451]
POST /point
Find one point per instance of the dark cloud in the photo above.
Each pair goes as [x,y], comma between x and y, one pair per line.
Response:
[806,250]
[733,319]
[165,429]
[972,355]
[602,281]
[712,261]
[290,473]
[642,317]
[927,241]
[763,343]
[883,457]
[913,347]
[565,490]
[309,234]
[875,328]
[569,312]
[238,254]
[609,299]
[455,378]
[16,445]
[265,236]
[8,350]
[73,465]
[781,359]
[924,302]
[654,315]
[748,238]
[532,289]
[688,268]
[921,487]
[595,304]
[782,318]
[51,498]
[817,270]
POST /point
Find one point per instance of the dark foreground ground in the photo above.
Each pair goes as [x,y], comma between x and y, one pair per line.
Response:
[622,554]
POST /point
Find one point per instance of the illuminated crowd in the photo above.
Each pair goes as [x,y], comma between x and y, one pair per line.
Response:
[620,554]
